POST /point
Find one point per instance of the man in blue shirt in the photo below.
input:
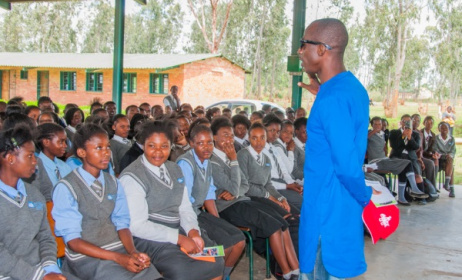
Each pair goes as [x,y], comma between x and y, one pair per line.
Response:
[334,189]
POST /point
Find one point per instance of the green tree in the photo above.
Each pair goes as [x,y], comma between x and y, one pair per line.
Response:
[416,65]
[100,35]
[155,29]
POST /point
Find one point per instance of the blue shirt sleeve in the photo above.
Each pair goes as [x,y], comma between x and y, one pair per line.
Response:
[188,177]
[68,220]
[211,193]
[52,269]
[120,217]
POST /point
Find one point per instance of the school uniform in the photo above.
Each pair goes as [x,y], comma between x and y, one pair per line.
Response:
[93,209]
[160,209]
[199,183]
[299,161]
[262,220]
[48,173]
[119,146]
[135,151]
[177,151]
[256,168]
[286,156]
[280,176]
[445,147]
[28,248]
[73,162]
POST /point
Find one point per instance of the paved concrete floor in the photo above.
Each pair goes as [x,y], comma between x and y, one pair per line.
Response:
[426,246]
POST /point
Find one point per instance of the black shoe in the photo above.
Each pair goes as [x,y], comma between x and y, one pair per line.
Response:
[418,195]
[404,203]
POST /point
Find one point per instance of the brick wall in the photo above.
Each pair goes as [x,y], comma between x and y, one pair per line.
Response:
[201,82]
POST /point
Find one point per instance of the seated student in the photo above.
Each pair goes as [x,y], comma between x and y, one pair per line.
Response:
[241,125]
[131,111]
[299,152]
[92,216]
[73,117]
[181,144]
[256,116]
[160,209]
[445,146]
[427,165]
[285,145]
[111,108]
[280,174]
[32,112]
[120,144]
[47,117]
[157,112]
[28,247]
[428,138]
[404,144]
[136,148]
[198,179]
[402,167]
[232,204]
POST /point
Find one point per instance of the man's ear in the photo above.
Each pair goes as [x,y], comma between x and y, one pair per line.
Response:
[46,142]
[10,158]
[81,153]
[321,50]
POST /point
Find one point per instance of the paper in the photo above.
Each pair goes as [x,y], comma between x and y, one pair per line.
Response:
[384,198]
[215,251]
[372,165]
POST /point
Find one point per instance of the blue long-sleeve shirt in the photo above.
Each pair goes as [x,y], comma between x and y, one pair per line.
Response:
[334,187]
[189,177]
[66,210]
[51,165]
[14,192]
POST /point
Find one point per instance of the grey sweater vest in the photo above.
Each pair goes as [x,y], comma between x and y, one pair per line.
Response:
[258,176]
[97,226]
[25,238]
[201,183]
[41,181]
[118,151]
[163,200]
[299,163]
[375,146]
[228,178]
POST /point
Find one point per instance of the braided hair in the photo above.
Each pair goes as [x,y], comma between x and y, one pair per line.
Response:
[12,139]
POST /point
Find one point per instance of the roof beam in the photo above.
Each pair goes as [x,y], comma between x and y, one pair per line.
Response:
[5,4]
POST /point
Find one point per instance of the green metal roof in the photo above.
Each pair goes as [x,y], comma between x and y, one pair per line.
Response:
[100,60]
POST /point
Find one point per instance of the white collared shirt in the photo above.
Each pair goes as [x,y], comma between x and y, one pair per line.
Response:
[299,143]
[289,159]
[443,140]
[241,140]
[274,172]
[156,169]
[255,155]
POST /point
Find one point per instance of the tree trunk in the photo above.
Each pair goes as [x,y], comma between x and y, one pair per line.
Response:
[273,77]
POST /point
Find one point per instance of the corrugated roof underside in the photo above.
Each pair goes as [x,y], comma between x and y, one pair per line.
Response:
[98,61]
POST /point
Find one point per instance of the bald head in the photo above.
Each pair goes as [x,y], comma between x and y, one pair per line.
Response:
[330,31]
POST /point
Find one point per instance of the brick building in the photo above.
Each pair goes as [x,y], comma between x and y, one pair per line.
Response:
[78,78]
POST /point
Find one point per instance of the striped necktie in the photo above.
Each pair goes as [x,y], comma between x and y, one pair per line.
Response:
[162,175]
[58,174]
[276,162]
[97,187]
[259,159]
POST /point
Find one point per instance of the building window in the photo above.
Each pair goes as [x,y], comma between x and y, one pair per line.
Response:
[94,81]
[129,82]
[24,74]
[68,81]
[158,83]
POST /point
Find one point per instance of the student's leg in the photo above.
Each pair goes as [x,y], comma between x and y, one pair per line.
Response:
[290,250]
[176,265]
[223,233]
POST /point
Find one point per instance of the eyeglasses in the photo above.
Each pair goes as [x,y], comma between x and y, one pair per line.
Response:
[303,42]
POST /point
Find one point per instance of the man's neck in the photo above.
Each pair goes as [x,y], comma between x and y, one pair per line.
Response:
[329,72]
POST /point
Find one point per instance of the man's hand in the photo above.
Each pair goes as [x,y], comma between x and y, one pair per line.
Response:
[313,86]
[375,192]
[230,151]
[407,133]
[54,276]
[422,165]
[295,187]
[181,140]
[226,196]
[195,236]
